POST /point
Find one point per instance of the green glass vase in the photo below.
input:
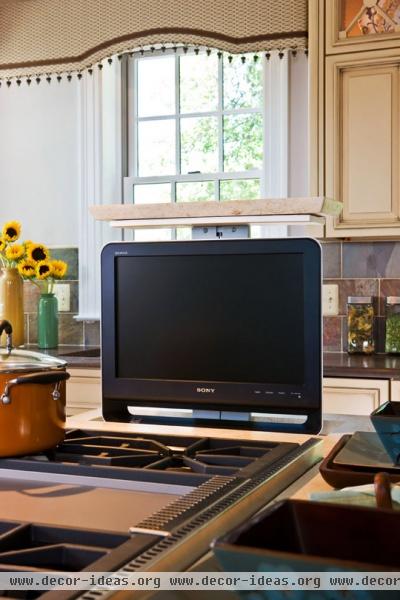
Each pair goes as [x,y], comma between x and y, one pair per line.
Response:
[47,321]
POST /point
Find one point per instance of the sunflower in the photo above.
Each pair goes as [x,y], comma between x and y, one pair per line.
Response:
[11,231]
[15,251]
[3,244]
[59,268]
[27,268]
[27,243]
[43,269]
[37,252]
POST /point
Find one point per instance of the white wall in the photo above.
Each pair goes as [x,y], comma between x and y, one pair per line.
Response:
[39,178]
[298,126]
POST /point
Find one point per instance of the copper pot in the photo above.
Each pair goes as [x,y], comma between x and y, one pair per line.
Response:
[32,399]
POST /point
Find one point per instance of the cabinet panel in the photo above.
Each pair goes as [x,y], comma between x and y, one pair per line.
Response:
[369,144]
[83,390]
[362,144]
[395,391]
[354,396]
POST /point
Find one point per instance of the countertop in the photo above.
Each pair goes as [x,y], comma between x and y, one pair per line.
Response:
[335,364]
[375,366]
[82,357]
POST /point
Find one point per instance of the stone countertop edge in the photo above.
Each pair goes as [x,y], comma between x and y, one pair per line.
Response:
[73,362]
[335,364]
[374,366]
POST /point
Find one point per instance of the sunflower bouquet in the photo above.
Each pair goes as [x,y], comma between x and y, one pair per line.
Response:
[11,253]
[32,260]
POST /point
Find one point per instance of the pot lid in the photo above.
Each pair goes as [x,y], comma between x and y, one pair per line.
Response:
[21,360]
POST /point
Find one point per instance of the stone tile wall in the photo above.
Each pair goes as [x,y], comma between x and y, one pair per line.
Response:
[71,332]
[360,269]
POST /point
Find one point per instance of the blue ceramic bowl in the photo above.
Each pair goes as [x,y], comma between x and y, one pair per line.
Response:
[386,422]
[298,535]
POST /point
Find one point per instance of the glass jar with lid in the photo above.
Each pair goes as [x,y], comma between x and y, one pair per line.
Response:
[360,325]
[392,335]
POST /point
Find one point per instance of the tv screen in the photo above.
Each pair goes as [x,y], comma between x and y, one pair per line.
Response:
[220,318]
[224,325]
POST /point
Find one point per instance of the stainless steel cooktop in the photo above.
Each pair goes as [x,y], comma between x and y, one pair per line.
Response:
[157,500]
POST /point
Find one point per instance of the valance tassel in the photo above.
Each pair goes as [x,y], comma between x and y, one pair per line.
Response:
[141,51]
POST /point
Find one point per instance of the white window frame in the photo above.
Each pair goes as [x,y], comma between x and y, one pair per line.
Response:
[174,178]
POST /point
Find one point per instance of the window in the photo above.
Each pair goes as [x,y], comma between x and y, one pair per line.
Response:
[229,121]
[195,126]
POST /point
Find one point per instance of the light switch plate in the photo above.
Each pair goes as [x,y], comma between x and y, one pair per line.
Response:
[62,291]
[330,300]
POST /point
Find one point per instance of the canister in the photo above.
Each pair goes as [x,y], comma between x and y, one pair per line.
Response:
[360,325]
[392,335]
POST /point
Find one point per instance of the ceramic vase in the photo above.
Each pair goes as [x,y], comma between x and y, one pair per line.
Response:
[47,321]
[12,304]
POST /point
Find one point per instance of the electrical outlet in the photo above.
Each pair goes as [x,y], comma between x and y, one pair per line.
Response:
[62,291]
[330,300]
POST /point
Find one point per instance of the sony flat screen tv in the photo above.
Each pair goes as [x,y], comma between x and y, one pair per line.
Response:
[232,326]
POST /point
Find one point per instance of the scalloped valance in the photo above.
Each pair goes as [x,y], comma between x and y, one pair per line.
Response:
[52,36]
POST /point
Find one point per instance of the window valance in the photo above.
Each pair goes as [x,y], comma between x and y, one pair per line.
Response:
[53,36]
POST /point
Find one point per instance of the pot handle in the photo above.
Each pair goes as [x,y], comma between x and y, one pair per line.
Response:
[6,326]
[37,378]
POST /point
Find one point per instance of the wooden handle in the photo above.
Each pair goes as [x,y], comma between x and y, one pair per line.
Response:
[382,491]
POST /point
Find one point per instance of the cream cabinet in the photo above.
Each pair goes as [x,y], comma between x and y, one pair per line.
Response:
[354,119]
[340,395]
[395,391]
[362,143]
[354,396]
[83,390]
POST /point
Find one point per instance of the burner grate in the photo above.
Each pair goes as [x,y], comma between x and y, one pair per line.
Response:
[168,459]
[105,455]
[125,443]
[37,548]
[185,464]
[162,453]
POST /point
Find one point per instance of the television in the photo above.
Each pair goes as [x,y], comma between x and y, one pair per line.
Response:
[225,326]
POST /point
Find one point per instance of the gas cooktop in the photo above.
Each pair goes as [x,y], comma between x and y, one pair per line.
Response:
[105,500]
[160,458]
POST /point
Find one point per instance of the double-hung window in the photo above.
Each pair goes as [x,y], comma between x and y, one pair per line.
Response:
[195,126]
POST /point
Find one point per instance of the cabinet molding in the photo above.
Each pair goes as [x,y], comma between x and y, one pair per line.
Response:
[337,44]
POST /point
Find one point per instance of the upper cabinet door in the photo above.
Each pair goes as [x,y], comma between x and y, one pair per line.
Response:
[362,143]
[356,25]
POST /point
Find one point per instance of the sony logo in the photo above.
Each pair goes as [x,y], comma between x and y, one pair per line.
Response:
[205,390]
[120,253]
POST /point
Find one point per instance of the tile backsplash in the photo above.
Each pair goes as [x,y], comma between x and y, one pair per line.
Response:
[359,269]
[71,332]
